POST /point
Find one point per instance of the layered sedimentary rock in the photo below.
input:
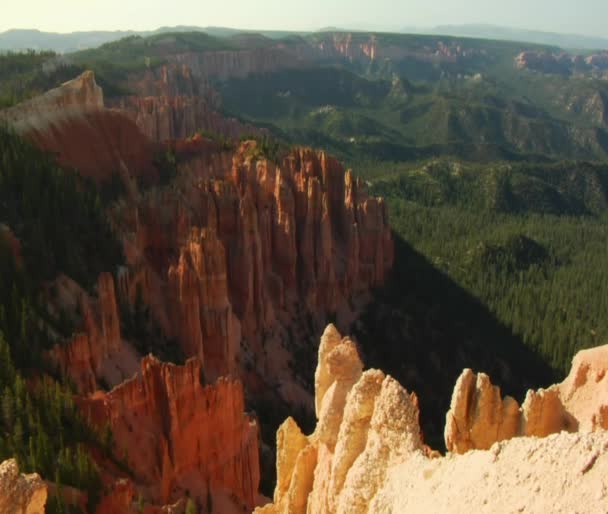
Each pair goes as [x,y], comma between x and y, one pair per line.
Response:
[180,437]
[20,494]
[366,454]
[561,62]
[479,416]
[97,350]
[202,310]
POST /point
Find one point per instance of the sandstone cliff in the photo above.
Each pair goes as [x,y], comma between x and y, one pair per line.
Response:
[20,494]
[179,436]
[366,454]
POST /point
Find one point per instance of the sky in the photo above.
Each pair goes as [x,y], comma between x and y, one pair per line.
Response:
[586,17]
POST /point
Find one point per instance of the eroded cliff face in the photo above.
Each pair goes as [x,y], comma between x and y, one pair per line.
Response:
[97,352]
[246,249]
[72,123]
[366,454]
[20,494]
[479,416]
[172,103]
[180,437]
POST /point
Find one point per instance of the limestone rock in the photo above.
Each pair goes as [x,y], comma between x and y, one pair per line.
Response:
[20,494]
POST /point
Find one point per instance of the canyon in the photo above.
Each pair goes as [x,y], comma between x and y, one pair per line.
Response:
[239,255]
[240,259]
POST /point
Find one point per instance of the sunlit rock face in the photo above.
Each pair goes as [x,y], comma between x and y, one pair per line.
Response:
[179,436]
[366,454]
[20,494]
[479,416]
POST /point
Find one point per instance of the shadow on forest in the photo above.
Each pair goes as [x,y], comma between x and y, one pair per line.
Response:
[424,329]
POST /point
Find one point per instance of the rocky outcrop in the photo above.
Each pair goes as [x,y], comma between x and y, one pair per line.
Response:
[560,473]
[479,417]
[72,123]
[366,454]
[164,118]
[366,423]
[561,62]
[257,245]
[75,97]
[202,311]
[180,437]
[20,494]
[225,64]
[8,238]
[97,351]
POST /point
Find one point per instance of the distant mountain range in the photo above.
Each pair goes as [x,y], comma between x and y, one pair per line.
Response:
[569,41]
[22,39]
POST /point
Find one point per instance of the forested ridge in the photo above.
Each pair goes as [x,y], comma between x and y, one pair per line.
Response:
[528,240]
[57,219]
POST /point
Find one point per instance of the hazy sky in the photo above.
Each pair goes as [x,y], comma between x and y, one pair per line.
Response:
[576,16]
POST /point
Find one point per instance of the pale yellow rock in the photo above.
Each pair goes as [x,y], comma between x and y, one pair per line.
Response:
[562,473]
[354,430]
[394,435]
[20,494]
[301,481]
[290,442]
[478,417]
[329,340]
[543,413]
[366,455]
[344,368]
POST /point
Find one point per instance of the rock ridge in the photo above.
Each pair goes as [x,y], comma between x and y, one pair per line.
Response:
[366,454]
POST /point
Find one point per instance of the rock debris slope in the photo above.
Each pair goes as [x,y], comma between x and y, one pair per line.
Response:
[367,455]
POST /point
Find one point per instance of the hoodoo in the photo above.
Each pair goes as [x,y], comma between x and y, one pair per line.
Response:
[367,454]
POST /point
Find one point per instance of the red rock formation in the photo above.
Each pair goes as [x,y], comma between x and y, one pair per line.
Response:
[179,436]
[202,311]
[226,64]
[71,122]
[98,351]
[274,239]
[164,118]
